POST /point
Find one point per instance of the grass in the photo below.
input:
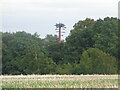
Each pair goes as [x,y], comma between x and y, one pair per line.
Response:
[60,81]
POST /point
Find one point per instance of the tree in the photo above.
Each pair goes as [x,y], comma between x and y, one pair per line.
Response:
[106,35]
[95,61]
[35,62]
[90,43]
[80,39]
[53,49]
[14,49]
[84,24]
[65,69]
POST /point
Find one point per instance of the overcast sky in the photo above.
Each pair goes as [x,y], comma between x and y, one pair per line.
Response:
[41,15]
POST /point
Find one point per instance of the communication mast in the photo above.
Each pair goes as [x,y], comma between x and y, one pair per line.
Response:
[60,28]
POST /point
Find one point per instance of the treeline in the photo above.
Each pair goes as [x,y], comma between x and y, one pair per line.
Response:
[90,48]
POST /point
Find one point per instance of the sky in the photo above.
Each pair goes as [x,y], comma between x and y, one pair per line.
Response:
[41,15]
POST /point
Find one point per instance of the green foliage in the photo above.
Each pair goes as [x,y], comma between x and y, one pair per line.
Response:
[106,36]
[64,69]
[84,24]
[101,34]
[14,49]
[80,38]
[95,61]
[53,49]
[90,48]
[36,62]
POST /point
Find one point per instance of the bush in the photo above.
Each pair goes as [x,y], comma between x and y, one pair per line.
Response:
[95,61]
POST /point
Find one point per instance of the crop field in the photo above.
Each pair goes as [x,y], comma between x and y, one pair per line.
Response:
[60,81]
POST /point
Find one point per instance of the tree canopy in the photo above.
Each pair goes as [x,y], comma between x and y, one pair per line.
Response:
[91,48]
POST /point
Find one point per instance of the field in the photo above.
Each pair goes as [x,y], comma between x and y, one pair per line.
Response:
[60,81]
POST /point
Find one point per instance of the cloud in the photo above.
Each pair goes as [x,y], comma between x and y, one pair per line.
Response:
[32,7]
[42,14]
[24,4]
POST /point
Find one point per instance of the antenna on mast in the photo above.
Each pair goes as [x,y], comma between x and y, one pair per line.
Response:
[60,29]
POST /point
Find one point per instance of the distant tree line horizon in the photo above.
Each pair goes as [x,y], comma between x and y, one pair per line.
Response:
[92,47]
